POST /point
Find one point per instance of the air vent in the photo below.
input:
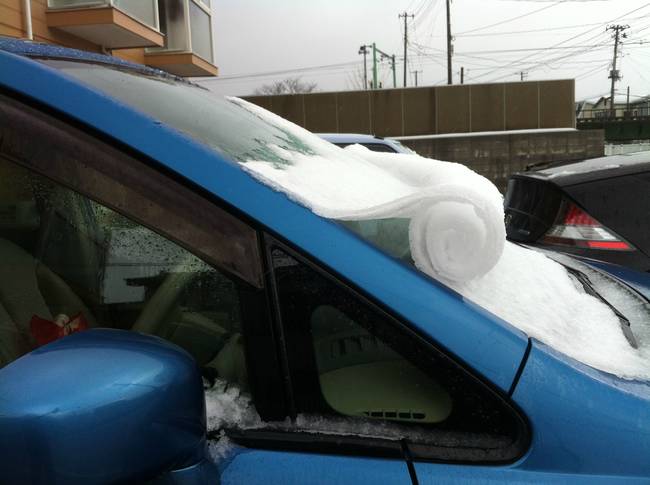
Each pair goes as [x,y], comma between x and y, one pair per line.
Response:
[353,345]
[399,415]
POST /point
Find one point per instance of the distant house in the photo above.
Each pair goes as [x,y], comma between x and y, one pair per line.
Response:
[584,109]
[640,106]
[600,108]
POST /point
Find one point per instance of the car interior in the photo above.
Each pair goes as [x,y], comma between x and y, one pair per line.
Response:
[64,254]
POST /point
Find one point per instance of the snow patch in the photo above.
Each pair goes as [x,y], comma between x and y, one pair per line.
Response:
[228,408]
[537,295]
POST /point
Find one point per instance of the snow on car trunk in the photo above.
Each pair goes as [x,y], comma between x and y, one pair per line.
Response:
[454,232]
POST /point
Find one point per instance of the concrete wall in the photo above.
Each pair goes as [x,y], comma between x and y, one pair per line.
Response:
[431,110]
[498,156]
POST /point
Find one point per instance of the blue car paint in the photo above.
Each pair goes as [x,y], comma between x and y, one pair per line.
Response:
[638,280]
[585,424]
[496,349]
[265,467]
[587,427]
[98,389]
[585,420]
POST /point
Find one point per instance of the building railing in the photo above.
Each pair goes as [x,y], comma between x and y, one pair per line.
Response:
[596,115]
[144,11]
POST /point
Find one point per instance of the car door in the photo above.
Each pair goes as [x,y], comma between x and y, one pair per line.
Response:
[175,265]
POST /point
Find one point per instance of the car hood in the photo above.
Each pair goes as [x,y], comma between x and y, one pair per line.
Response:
[588,421]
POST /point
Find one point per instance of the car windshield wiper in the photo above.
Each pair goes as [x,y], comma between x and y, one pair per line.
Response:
[589,289]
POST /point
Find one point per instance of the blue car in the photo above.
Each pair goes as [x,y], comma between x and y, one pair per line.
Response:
[165,317]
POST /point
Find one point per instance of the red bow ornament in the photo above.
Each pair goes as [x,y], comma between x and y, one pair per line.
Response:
[46,331]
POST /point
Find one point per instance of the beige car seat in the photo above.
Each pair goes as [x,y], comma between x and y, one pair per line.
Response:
[29,288]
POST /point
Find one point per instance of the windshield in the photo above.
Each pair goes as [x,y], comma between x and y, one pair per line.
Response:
[216,121]
[403,148]
[440,217]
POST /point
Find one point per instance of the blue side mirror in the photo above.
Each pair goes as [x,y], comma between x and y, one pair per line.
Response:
[103,406]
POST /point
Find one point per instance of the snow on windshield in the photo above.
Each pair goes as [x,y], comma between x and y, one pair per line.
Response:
[538,296]
[456,235]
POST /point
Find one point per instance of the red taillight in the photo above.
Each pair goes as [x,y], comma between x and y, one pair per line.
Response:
[620,245]
[575,216]
[577,228]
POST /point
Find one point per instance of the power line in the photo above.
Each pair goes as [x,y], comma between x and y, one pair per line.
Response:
[512,18]
[567,40]
[284,71]
[532,31]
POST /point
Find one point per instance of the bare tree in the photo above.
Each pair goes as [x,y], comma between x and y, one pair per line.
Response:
[355,80]
[290,85]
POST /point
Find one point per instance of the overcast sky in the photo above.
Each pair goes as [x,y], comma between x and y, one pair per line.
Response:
[320,40]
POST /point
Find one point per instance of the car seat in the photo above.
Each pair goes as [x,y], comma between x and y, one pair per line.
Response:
[28,288]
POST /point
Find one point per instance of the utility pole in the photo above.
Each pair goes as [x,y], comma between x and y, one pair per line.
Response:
[627,104]
[450,47]
[614,75]
[462,75]
[383,56]
[364,50]
[416,76]
[522,76]
[406,38]
[374,66]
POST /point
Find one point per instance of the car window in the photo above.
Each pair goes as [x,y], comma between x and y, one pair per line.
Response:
[375,147]
[357,371]
[76,264]
[92,237]
[379,147]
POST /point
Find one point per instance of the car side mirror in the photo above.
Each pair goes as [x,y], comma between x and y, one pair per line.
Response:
[104,406]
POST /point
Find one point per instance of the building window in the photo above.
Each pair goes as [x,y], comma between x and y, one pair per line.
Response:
[145,11]
[187,25]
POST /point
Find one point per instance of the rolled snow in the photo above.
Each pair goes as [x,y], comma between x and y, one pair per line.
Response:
[456,229]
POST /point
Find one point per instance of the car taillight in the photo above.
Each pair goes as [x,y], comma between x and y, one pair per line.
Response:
[574,227]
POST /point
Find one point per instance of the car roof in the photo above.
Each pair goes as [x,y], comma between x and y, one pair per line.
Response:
[37,49]
[593,169]
[417,298]
[352,138]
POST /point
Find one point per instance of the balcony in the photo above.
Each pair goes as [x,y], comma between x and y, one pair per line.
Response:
[187,49]
[113,24]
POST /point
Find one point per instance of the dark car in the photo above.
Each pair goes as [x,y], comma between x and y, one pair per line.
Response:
[597,208]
